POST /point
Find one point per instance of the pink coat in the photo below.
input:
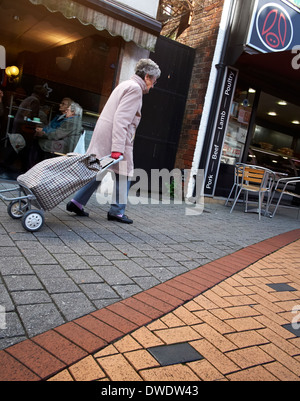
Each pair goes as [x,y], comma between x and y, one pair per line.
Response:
[117,124]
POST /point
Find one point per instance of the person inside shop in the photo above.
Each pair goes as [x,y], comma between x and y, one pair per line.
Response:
[114,134]
[28,111]
[44,114]
[20,147]
[60,117]
[64,138]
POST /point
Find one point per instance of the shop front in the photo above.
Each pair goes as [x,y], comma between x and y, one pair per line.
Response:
[259,123]
[78,50]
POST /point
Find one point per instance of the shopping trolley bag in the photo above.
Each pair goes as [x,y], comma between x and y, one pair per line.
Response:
[54,179]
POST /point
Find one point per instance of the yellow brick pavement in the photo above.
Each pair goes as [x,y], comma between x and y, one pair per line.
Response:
[237,326]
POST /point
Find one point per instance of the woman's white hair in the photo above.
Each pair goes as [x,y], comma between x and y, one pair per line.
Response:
[147,66]
[76,109]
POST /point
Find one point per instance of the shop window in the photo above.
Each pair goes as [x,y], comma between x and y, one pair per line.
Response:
[269,139]
[66,57]
[275,142]
[237,130]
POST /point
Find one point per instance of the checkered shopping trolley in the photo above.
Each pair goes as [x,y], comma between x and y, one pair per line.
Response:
[51,181]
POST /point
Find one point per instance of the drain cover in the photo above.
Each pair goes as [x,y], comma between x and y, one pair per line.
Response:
[175,353]
[280,287]
[292,328]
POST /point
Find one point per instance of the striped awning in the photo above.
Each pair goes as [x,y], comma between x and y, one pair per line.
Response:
[91,16]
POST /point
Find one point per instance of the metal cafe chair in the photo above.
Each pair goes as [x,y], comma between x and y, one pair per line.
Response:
[284,186]
[238,173]
[255,180]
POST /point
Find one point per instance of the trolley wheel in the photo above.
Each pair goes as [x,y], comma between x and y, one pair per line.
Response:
[33,220]
[16,209]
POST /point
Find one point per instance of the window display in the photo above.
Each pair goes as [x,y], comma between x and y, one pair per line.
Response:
[275,141]
[237,130]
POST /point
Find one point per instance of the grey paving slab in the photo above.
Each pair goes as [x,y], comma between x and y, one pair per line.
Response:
[30,297]
[58,285]
[14,329]
[131,268]
[126,291]
[73,305]
[14,266]
[71,261]
[75,265]
[5,298]
[22,283]
[85,276]
[50,271]
[146,282]
[39,318]
[112,275]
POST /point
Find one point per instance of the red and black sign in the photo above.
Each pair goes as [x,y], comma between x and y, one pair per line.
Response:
[274,27]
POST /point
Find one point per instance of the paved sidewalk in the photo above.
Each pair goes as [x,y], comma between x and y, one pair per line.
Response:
[75,267]
[229,320]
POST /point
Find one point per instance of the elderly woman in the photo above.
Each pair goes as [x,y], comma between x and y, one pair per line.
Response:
[114,134]
[59,118]
[64,138]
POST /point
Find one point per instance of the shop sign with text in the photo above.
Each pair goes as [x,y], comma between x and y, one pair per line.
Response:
[220,129]
[274,26]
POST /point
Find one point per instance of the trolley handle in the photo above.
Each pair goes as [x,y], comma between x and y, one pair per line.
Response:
[109,162]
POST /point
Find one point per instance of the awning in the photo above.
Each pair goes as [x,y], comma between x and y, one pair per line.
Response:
[104,15]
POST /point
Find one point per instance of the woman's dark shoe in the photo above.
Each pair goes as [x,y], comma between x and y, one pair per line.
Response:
[71,207]
[123,219]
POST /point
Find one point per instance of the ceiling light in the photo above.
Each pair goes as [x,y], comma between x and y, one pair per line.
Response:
[12,71]
[296,122]
[272,113]
[282,103]
[251,90]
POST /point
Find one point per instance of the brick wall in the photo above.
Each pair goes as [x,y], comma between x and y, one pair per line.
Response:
[201,35]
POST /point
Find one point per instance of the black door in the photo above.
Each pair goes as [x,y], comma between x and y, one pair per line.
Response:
[163,108]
